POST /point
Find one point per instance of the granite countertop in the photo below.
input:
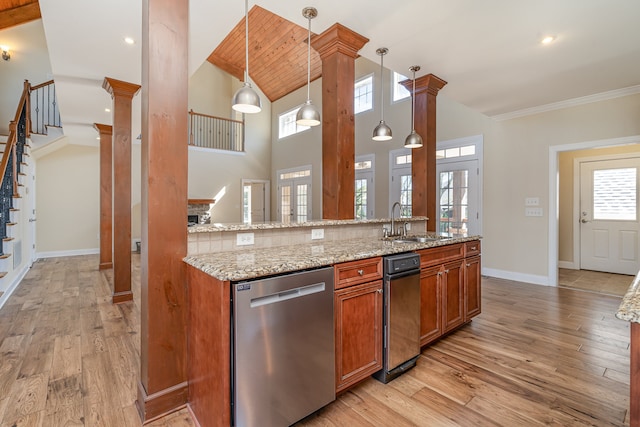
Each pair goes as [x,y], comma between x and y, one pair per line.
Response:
[248,264]
[629,309]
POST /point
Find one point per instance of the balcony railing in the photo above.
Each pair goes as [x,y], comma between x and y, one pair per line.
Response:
[44,107]
[215,132]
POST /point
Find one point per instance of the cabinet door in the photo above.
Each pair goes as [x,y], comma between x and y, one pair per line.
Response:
[358,329]
[453,295]
[472,280]
[430,305]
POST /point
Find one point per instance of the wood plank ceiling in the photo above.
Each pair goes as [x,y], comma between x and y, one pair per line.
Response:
[277,53]
[16,12]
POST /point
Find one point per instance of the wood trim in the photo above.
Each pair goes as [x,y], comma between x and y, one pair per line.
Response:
[120,297]
[106,195]
[201,201]
[41,85]
[209,351]
[117,88]
[193,113]
[634,385]
[161,403]
[20,14]
[338,47]
[423,164]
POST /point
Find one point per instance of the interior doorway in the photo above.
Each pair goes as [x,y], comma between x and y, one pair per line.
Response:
[255,201]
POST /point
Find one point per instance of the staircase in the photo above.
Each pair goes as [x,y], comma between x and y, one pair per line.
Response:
[14,171]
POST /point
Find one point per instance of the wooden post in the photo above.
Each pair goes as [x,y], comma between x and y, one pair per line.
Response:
[122,94]
[338,47]
[423,163]
[106,196]
[163,384]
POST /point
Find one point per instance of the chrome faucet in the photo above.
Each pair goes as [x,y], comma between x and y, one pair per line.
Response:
[393,218]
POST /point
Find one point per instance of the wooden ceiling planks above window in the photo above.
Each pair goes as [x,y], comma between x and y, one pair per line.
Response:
[16,12]
[277,54]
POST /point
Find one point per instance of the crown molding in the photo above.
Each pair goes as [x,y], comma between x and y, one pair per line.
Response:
[602,96]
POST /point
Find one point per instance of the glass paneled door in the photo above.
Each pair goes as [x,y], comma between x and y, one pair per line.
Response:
[294,195]
[608,216]
[457,204]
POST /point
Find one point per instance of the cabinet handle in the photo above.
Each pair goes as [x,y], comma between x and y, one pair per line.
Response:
[473,248]
[439,273]
[361,272]
[446,271]
[379,291]
[468,265]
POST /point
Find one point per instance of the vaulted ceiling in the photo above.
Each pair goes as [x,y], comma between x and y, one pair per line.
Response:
[16,12]
[277,53]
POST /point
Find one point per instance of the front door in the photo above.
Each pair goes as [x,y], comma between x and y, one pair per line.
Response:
[609,216]
[457,205]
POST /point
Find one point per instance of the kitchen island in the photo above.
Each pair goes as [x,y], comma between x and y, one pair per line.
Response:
[211,274]
[629,310]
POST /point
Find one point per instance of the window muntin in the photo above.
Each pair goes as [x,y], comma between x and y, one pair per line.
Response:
[450,153]
[287,124]
[361,199]
[454,204]
[363,95]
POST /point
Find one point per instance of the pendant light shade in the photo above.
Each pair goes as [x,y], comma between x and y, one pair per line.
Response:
[382,132]
[414,140]
[246,100]
[308,114]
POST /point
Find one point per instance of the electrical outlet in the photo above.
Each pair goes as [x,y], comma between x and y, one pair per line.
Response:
[243,239]
[532,201]
[317,233]
[532,211]
[408,226]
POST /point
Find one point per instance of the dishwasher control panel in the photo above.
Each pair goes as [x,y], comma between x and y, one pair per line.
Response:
[401,262]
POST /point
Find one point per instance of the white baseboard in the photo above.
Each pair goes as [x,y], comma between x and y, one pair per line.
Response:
[518,277]
[14,284]
[76,252]
[569,265]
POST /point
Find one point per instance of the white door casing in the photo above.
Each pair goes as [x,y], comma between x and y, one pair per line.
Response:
[608,216]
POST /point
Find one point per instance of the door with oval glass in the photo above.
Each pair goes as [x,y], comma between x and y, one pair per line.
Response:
[608,218]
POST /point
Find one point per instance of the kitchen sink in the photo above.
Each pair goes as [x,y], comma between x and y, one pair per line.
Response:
[415,239]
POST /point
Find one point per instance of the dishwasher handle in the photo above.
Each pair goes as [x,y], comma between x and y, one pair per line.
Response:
[287,295]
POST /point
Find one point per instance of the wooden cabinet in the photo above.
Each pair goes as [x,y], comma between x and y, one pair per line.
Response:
[430,305]
[450,288]
[358,308]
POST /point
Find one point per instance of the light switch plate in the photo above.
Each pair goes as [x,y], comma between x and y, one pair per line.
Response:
[243,239]
[317,233]
[532,211]
[532,201]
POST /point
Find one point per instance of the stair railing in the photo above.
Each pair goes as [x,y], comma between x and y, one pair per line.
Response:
[11,162]
[215,132]
[44,107]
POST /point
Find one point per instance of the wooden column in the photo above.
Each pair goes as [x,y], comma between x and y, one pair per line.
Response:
[163,384]
[423,163]
[122,94]
[338,47]
[106,196]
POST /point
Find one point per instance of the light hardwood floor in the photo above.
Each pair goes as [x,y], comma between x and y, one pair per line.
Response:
[594,281]
[535,356]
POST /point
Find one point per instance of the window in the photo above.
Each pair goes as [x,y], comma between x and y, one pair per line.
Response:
[401,183]
[399,91]
[364,190]
[614,194]
[288,125]
[363,95]
[450,153]
[294,194]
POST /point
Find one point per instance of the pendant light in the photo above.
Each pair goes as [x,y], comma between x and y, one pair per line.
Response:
[413,140]
[382,132]
[308,114]
[246,100]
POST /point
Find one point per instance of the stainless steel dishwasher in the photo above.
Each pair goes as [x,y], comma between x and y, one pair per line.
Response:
[283,339]
[401,317]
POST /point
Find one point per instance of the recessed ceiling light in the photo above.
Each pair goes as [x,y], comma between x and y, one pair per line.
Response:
[129,40]
[548,39]
[107,110]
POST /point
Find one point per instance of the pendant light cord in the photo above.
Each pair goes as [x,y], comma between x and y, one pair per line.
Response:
[382,87]
[246,41]
[413,103]
[309,60]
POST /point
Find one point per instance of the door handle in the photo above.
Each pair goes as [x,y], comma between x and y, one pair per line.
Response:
[584,221]
[32,220]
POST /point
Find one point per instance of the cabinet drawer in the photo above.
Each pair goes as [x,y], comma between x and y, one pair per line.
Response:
[440,254]
[355,272]
[472,248]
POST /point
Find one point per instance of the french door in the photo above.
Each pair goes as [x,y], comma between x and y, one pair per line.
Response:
[457,205]
[294,195]
[608,216]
